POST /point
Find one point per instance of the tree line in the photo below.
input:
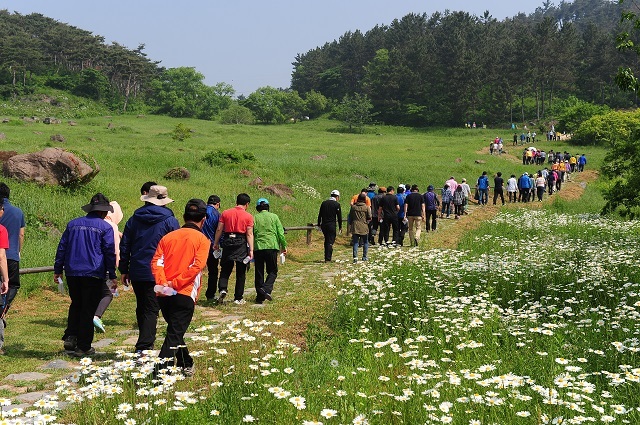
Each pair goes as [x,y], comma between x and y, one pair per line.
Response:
[453,67]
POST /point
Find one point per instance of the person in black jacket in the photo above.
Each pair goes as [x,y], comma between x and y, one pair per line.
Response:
[330,217]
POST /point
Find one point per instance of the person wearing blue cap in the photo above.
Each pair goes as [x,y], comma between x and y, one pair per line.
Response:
[268,242]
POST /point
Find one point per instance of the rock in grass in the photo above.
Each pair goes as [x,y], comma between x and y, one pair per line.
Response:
[178,173]
[53,166]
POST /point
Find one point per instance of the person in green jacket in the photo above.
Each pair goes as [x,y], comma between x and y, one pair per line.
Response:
[268,242]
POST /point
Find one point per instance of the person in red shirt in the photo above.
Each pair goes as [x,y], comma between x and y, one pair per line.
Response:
[177,263]
[4,283]
[236,225]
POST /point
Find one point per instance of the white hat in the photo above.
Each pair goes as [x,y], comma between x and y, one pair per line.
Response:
[335,192]
[402,186]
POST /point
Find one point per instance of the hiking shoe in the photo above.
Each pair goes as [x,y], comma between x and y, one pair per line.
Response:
[267,296]
[189,371]
[355,260]
[80,353]
[239,302]
[97,322]
[70,343]
[221,297]
[365,259]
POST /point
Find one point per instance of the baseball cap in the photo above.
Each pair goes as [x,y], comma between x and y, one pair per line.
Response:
[195,206]
[262,201]
[335,192]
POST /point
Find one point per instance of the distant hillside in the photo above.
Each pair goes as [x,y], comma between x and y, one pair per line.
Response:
[453,67]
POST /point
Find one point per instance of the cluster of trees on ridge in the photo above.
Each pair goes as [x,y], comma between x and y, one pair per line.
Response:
[444,69]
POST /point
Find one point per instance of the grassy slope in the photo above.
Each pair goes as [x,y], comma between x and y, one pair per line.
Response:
[140,149]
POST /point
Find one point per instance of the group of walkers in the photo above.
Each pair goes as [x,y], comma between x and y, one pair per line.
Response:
[160,260]
[376,213]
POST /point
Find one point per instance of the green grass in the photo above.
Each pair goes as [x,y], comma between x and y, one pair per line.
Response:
[401,294]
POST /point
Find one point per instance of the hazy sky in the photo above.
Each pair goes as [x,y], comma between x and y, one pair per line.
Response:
[246,43]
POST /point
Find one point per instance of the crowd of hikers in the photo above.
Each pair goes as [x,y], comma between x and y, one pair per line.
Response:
[384,215]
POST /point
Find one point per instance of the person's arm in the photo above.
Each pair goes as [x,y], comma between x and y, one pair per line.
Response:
[339,217]
[250,240]
[319,221]
[108,248]
[20,241]
[125,254]
[157,266]
[216,239]
[58,264]
[4,285]
[405,208]
[282,242]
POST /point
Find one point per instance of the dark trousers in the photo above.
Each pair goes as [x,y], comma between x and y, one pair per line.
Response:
[496,194]
[540,192]
[373,228]
[105,299]
[265,258]
[177,311]
[388,224]
[146,314]
[431,219]
[13,270]
[85,295]
[212,282]
[226,267]
[329,232]
[524,195]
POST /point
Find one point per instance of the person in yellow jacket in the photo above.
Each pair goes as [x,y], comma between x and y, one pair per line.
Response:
[177,263]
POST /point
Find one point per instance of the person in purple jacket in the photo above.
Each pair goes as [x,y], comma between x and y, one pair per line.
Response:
[86,254]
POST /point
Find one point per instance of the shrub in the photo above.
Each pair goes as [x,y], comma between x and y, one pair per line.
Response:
[237,114]
[222,157]
[181,132]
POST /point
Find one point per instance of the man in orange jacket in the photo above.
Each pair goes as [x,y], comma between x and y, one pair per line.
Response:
[178,262]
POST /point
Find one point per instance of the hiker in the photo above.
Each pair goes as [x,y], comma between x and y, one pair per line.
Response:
[13,221]
[415,213]
[86,254]
[235,230]
[269,241]
[177,263]
[213,261]
[113,218]
[388,215]
[330,218]
[4,279]
[360,216]
[431,204]
[140,238]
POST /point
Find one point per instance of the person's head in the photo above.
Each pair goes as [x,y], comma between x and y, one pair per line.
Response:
[243,199]
[372,187]
[1,207]
[430,188]
[513,176]
[484,173]
[364,190]
[464,180]
[195,212]
[539,173]
[499,174]
[335,193]
[262,204]
[446,186]
[157,195]
[362,197]
[414,188]
[390,189]
[459,189]
[400,189]
[145,187]
[382,190]
[214,200]
[4,191]
[99,204]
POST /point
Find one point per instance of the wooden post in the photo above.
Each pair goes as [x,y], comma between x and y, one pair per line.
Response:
[309,233]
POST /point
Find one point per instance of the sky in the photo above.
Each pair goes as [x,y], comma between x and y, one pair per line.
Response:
[246,43]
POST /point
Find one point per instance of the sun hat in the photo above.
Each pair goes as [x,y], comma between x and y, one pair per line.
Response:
[335,192]
[98,202]
[262,201]
[402,186]
[464,180]
[157,195]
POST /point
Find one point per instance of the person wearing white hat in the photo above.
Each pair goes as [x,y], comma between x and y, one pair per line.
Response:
[330,218]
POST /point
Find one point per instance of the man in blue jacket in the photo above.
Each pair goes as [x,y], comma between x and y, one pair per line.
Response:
[209,229]
[86,254]
[140,238]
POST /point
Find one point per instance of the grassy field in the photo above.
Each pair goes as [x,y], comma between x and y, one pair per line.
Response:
[415,336]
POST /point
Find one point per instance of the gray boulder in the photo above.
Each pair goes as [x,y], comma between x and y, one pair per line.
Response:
[52,166]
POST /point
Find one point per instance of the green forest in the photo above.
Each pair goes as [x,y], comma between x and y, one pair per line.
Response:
[448,68]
